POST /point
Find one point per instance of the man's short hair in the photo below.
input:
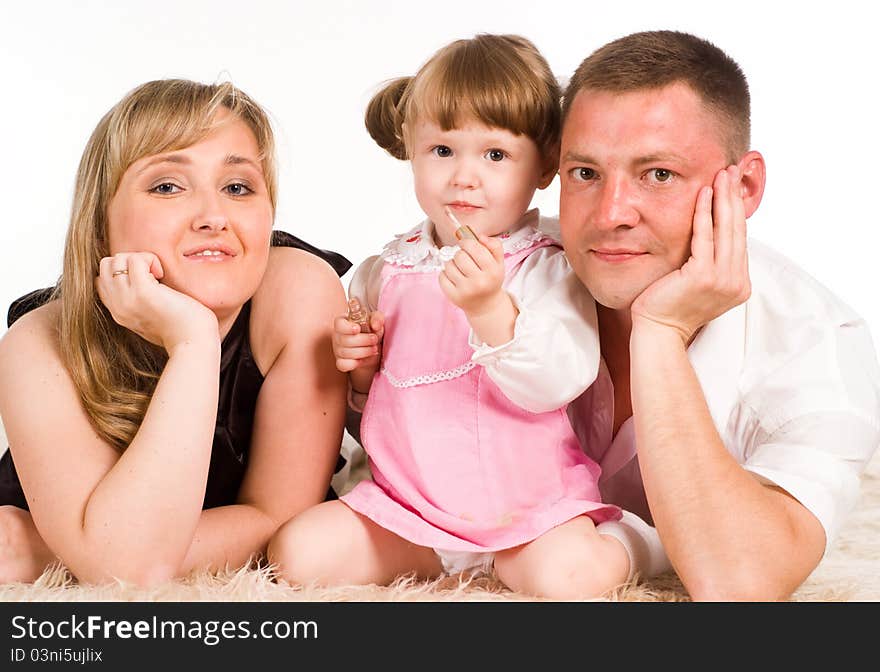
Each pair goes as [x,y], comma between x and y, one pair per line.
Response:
[655,59]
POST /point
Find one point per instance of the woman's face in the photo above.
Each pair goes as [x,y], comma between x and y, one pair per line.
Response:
[204,211]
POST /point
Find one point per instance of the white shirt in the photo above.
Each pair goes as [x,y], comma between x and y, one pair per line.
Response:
[793,386]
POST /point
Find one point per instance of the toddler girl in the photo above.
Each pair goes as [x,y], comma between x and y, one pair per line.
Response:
[484,341]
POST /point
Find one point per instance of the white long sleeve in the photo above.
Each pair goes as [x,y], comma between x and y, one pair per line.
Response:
[554,354]
[364,283]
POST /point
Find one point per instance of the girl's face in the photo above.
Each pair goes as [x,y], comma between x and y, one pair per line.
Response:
[487,176]
[204,211]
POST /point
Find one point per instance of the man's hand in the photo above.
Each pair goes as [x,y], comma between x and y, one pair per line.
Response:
[716,276]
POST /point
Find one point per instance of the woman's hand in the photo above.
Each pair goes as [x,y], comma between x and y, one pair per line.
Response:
[128,285]
[716,276]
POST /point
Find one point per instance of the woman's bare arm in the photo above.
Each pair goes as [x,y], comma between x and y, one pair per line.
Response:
[130,516]
[299,415]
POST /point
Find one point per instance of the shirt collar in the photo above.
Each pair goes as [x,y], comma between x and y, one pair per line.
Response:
[416,247]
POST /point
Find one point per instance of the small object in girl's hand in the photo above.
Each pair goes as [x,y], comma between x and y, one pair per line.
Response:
[462,231]
[359,315]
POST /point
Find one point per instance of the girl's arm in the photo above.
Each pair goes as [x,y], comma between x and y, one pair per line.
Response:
[359,354]
[550,354]
[364,286]
[130,516]
[299,415]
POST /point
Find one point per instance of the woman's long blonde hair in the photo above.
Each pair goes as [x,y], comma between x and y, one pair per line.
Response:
[114,370]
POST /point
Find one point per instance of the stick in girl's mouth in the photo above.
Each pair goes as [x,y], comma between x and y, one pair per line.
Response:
[462,231]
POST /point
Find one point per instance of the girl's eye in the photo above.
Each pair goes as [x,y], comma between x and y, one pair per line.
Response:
[442,151]
[661,174]
[583,174]
[495,154]
[238,189]
[166,189]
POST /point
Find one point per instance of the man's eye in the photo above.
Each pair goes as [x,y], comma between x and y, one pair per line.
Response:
[442,151]
[166,188]
[238,189]
[661,174]
[583,174]
[495,154]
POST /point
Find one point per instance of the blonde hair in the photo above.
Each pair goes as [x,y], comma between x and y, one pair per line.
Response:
[499,80]
[114,370]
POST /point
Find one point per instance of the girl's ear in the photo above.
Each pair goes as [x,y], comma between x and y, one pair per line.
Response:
[551,167]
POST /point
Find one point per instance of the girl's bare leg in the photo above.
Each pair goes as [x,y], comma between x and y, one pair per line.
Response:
[330,544]
[569,562]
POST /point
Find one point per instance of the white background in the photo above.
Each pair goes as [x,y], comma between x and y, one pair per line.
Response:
[812,67]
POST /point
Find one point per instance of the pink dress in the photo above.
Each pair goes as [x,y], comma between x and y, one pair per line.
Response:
[456,465]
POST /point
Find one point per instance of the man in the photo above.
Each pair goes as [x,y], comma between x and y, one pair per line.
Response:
[738,400]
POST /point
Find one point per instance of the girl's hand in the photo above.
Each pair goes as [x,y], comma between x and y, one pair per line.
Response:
[472,279]
[356,350]
[128,285]
[716,276]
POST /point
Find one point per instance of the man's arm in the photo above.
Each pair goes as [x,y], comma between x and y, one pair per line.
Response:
[728,536]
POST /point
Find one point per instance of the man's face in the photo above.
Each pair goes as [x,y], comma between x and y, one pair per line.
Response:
[631,167]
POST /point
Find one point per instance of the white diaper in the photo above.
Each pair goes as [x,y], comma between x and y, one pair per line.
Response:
[455,562]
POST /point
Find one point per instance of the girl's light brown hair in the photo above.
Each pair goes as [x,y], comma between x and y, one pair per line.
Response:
[499,80]
[114,370]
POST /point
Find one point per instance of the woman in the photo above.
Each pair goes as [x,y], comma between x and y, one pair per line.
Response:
[176,399]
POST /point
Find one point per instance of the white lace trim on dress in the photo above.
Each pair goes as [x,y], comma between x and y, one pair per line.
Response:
[428,378]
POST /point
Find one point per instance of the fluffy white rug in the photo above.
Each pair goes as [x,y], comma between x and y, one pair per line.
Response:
[850,572]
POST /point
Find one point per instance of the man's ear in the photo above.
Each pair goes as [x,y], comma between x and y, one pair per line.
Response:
[754,174]
[551,167]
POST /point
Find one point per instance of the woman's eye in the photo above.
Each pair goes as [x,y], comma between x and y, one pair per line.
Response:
[583,174]
[661,174]
[442,151]
[495,154]
[166,189]
[238,189]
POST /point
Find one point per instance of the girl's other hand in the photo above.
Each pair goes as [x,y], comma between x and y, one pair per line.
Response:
[353,349]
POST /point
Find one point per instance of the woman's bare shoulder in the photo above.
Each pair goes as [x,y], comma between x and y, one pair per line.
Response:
[290,268]
[299,296]
[34,332]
